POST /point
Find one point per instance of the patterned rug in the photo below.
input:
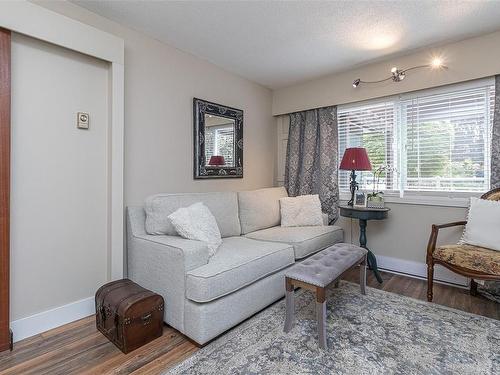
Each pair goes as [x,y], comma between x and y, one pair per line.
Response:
[379,333]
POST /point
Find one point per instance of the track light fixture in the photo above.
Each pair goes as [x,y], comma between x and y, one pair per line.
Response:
[397,75]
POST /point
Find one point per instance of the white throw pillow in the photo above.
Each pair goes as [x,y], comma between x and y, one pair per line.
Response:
[196,222]
[483,224]
[304,210]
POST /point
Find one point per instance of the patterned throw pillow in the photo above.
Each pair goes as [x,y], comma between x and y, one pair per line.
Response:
[196,222]
[483,224]
[304,210]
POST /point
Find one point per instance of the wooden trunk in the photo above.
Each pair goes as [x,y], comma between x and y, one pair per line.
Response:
[128,315]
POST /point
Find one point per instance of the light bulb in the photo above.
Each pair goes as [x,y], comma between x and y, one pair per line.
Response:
[356,82]
[436,63]
[394,70]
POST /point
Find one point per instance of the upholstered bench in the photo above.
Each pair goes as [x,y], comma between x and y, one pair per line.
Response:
[317,273]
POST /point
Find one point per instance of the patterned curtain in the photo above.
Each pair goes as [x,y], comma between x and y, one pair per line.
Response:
[312,157]
[495,139]
[491,289]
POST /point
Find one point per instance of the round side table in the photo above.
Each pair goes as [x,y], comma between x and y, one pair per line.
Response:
[363,214]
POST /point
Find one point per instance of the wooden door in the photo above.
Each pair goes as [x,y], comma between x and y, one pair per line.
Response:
[5,336]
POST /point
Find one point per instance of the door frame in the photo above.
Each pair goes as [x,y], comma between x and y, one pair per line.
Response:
[40,23]
[5,89]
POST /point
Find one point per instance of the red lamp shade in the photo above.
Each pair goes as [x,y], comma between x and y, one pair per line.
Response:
[356,159]
[216,160]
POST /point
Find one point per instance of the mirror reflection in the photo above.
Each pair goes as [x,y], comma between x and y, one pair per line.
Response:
[219,141]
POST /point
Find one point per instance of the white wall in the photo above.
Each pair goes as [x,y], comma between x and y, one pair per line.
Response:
[160,83]
[466,60]
[59,177]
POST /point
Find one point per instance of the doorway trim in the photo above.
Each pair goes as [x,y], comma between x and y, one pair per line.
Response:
[40,23]
[5,89]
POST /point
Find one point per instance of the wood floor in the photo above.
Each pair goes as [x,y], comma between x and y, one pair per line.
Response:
[78,348]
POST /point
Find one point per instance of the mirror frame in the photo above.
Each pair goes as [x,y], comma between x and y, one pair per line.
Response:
[201,171]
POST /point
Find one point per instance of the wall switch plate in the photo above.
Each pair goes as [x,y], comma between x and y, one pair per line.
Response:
[82,120]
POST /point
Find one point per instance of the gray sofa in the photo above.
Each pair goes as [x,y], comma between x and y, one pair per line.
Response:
[203,297]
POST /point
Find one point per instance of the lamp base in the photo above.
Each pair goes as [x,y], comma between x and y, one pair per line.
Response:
[353,186]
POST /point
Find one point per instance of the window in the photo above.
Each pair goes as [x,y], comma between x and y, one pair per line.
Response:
[219,140]
[437,140]
[371,126]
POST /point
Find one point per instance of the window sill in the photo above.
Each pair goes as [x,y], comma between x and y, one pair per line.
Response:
[423,200]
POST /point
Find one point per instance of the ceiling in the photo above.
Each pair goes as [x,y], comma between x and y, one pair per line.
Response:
[279,43]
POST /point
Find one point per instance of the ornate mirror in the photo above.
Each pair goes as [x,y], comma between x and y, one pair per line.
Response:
[218,140]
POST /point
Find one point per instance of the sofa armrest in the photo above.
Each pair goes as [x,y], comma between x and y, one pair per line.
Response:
[325,218]
[192,253]
[160,263]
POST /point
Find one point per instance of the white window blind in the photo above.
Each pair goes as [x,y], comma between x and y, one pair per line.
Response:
[448,141]
[437,142]
[371,126]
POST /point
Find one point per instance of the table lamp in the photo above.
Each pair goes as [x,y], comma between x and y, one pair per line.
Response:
[216,161]
[355,159]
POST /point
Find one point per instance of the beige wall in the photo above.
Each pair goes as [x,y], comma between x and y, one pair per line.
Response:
[59,177]
[466,60]
[400,241]
[405,233]
[160,83]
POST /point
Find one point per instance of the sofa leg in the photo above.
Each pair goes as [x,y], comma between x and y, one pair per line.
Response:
[473,287]
[430,280]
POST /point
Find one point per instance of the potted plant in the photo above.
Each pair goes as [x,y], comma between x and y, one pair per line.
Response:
[375,199]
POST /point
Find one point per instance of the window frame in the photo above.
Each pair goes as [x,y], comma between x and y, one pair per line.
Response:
[433,198]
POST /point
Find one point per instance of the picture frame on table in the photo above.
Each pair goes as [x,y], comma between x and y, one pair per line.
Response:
[360,199]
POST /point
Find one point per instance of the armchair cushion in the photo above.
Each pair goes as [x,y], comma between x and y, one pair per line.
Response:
[471,257]
[482,224]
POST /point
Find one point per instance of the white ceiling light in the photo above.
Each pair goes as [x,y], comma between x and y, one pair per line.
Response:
[397,75]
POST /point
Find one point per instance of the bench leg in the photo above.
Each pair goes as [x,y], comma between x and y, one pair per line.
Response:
[362,276]
[289,305]
[321,316]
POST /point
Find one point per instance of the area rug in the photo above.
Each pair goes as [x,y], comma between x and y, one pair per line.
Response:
[379,333]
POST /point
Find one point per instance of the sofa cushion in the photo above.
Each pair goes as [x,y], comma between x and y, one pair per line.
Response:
[224,207]
[260,209]
[301,211]
[305,240]
[196,222]
[239,261]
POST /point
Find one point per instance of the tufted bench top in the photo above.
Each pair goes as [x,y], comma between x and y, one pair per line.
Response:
[324,267]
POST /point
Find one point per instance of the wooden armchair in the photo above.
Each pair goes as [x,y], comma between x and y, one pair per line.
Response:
[467,260]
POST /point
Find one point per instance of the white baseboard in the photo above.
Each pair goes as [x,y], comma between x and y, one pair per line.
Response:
[419,270]
[41,322]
